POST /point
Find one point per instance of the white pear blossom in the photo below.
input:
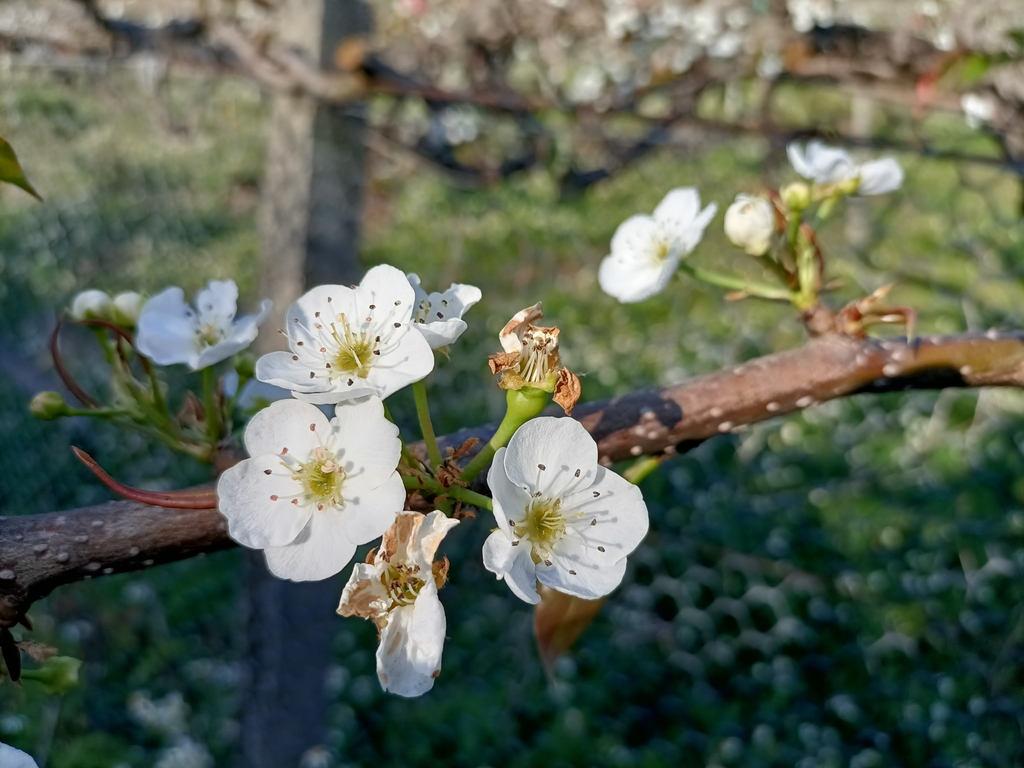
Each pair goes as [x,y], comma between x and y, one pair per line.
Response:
[314,488]
[170,331]
[91,304]
[563,519]
[750,224]
[438,316]
[397,590]
[347,343]
[830,165]
[15,758]
[646,250]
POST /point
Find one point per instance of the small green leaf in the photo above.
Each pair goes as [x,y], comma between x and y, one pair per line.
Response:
[10,169]
[975,68]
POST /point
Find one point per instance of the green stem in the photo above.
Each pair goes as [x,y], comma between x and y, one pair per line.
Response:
[419,392]
[421,482]
[100,412]
[792,230]
[642,468]
[521,406]
[732,282]
[210,406]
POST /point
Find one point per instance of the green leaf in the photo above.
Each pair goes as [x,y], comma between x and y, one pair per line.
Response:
[11,171]
[975,68]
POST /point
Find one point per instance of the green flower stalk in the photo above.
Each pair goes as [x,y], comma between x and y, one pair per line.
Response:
[56,676]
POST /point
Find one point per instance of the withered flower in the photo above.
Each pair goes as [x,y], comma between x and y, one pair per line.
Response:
[531,359]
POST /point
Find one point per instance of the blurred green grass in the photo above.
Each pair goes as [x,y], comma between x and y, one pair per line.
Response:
[833,588]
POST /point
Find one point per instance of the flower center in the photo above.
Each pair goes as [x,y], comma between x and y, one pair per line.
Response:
[660,250]
[402,583]
[355,350]
[210,334]
[322,479]
[539,356]
[543,525]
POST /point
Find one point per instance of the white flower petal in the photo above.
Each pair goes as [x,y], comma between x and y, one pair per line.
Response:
[513,564]
[167,329]
[509,499]
[15,758]
[258,506]
[636,239]
[386,282]
[290,424]
[587,582]
[551,456]
[689,240]
[678,209]
[222,350]
[410,362]
[880,176]
[620,514]
[365,443]
[461,297]
[442,333]
[217,301]
[409,654]
[369,512]
[432,530]
[321,550]
[279,370]
[630,282]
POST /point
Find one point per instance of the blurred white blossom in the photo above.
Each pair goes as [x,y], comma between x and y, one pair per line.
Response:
[646,250]
[830,165]
[15,758]
[170,331]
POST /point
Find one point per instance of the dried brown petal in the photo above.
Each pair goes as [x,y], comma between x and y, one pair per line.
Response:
[558,620]
[37,651]
[440,570]
[503,361]
[567,390]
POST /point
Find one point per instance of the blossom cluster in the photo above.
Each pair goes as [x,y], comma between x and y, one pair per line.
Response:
[646,251]
[319,483]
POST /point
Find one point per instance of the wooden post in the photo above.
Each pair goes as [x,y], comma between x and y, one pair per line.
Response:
[309,225]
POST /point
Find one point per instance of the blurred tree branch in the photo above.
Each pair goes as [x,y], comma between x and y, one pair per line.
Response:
[41,552]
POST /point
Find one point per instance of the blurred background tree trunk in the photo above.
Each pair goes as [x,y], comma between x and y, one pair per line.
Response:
[309,226]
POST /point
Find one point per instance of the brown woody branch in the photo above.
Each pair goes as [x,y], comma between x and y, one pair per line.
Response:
[40,552]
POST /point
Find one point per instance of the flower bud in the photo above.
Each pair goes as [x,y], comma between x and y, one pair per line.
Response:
[245,364]
[48,406]
[796,196]
[90,305]
[56,676]
[750,224]
[127,307]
